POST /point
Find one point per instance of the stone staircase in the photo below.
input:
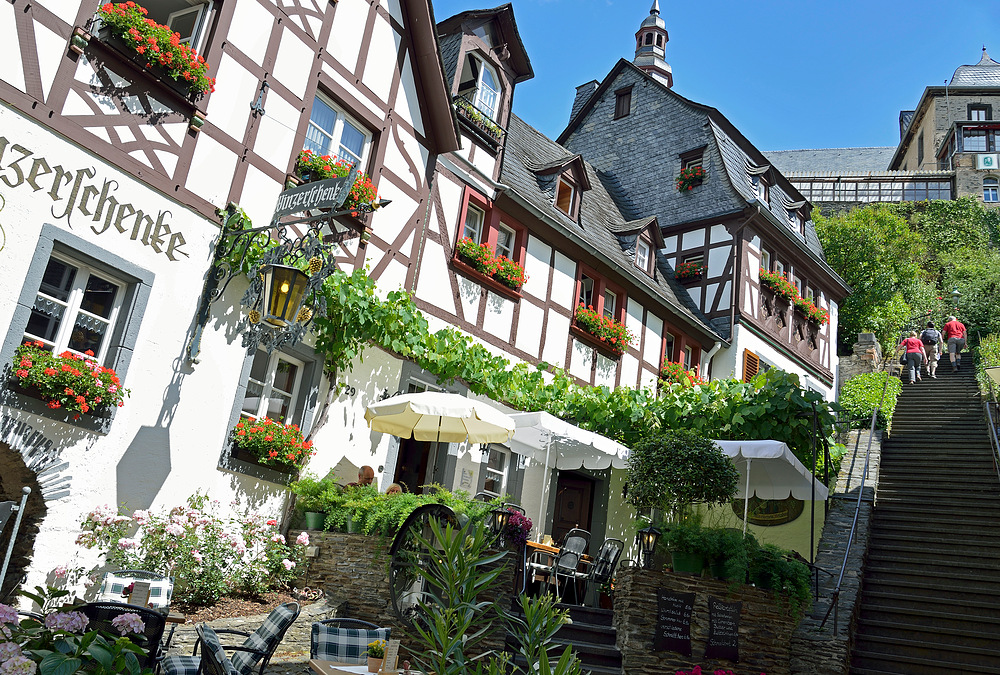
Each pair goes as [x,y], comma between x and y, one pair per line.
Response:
[930,599]
[593,639]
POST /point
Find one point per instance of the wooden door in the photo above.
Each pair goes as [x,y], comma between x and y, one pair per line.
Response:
[574,504]
[411,465]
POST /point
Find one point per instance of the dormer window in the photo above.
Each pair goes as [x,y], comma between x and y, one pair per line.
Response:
[566,197]
[642,251]
[759,187]
[480,86]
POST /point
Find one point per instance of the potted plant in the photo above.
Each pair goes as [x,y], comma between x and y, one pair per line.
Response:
[70,382]
[728,552]
[689,177]
[671,470]
[686,542]
[376,652]
[156,47]
[606,597]
[509,273]
[814,314]
[689,271]
[676,373]
[478,256]
[779,285]
[309,491]
[272,444]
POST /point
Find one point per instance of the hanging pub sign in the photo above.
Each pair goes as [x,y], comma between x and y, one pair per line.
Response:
[723,630]
[673,621]
[322,194]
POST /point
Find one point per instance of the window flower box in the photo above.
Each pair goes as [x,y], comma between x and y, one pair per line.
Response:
[466,269]
[478,120]
[363,196]
[811,312]
[676,373]
[779,285]
[154,48]
[499,269]
[601,331]
[690,177]
[689,272]
[270,444]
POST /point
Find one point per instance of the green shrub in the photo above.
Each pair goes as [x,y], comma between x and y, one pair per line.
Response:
[675,469]
[861,394]
[774,568]
[988,353]
[309,492]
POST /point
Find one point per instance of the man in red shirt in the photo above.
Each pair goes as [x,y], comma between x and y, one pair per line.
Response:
[955,333]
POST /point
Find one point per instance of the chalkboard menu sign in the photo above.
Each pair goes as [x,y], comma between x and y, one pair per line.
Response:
[723,630]
[673,621]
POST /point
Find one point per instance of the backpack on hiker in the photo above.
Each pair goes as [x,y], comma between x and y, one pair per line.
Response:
[930,336]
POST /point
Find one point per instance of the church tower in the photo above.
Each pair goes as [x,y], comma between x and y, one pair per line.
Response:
[650,46]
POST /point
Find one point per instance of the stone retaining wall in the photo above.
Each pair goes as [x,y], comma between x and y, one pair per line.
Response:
[766,625]
[826,649]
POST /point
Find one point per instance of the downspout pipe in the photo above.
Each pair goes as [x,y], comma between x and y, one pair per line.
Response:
[706,359]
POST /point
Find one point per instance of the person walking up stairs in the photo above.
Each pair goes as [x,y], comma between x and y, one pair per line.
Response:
[930,598]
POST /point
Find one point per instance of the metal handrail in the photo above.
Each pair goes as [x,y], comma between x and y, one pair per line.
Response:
[988,405]
[835,597]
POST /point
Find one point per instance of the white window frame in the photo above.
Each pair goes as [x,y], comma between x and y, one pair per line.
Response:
[613,297]
[572,196]
[759,187]
[498,475]
[72,308]
[778,267]
[765,259]
[480,96]
[642,255]
[797,282]
[810,293]
[267,388]
[332,137]
[477,228]
[688,358]
[978,134]
[991,190]
[200,33]
[507,252]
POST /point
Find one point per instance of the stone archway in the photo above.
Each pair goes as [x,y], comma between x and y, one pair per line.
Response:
[15,475]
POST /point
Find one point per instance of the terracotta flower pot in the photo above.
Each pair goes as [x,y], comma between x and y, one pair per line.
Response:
[374,665]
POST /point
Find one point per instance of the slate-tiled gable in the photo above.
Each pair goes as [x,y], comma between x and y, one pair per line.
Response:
[832,160]
[600,218]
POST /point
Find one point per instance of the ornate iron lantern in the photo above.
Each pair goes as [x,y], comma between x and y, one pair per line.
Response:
[647,539]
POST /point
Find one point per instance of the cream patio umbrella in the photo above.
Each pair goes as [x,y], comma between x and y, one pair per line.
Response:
[440,417]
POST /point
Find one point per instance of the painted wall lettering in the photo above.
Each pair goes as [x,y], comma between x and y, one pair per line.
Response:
[95,199]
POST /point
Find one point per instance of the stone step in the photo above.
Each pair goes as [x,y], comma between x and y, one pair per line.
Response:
[908,596]
[964,636]
[933,513]
[926,619]
[901,531]
[921,657]
[922,547]
[914,523]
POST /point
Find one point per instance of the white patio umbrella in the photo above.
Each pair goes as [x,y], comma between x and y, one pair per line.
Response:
[769,470]
[561,445]
[440,417]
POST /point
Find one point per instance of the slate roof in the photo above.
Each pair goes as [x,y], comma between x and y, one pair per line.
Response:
[600,218]
[831,160]
[986,73]
[739,166]
[450,45]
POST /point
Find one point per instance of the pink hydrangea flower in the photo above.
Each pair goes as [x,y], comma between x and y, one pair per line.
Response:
[8,614]
[18,665]
[9,650]
[73,622]
[128,623]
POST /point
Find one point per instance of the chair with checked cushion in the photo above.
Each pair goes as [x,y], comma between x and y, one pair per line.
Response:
[259,646]
[161,588]
[344,640]
[213,656]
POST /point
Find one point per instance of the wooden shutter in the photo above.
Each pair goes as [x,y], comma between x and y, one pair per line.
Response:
[751,364]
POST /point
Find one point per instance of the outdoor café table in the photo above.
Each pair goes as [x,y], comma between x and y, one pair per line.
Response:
[334,668]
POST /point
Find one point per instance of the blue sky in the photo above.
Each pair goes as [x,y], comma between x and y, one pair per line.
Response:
[789,74]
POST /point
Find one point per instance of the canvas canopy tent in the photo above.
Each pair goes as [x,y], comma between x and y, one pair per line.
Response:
[440,417]
[556,444]
[769,470]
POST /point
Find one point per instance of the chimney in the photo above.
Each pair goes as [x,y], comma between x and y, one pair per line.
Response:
[583,94]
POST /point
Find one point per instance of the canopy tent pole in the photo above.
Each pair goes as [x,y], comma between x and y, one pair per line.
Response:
[746,499]
[545,486]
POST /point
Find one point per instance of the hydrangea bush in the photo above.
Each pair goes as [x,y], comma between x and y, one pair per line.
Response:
[207,555]
[60,644]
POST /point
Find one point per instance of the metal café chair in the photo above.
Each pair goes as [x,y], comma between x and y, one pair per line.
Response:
[601,569]
[564,563]
[101,614]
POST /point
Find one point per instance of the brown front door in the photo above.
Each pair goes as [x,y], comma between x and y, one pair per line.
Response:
[411,467]
[574,503]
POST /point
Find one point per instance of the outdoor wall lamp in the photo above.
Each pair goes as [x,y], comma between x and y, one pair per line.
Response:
[500,516]
[284,292]
[286,266]
[647,539]
[955,297]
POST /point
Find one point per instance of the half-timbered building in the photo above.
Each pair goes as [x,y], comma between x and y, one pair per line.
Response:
[111,175]
[741,217]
